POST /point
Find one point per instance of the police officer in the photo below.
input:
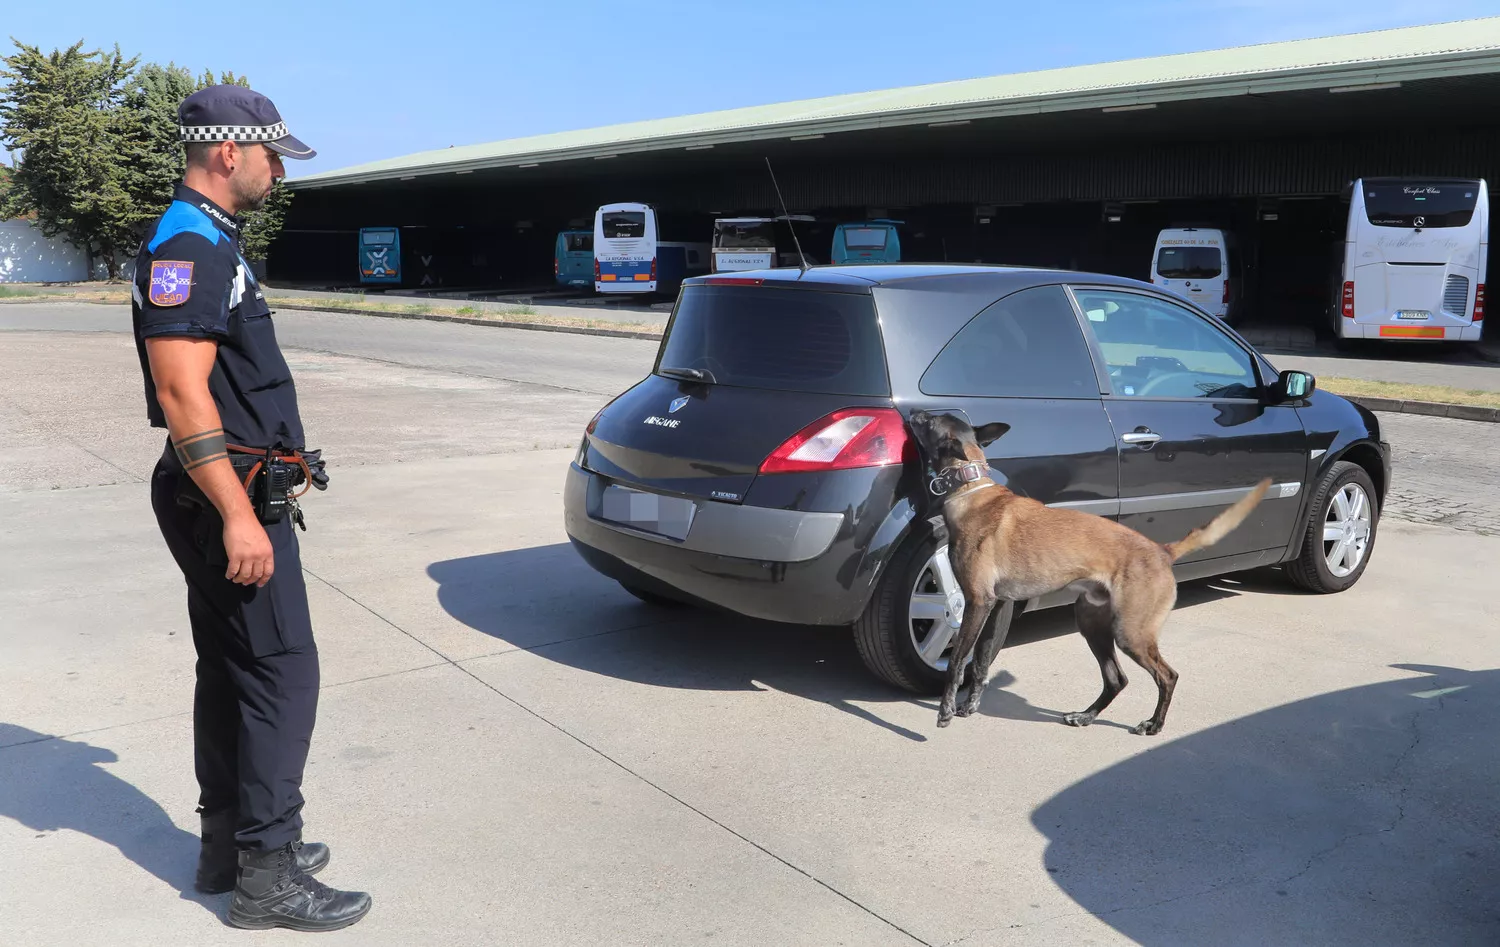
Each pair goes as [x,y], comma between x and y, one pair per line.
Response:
[215,378]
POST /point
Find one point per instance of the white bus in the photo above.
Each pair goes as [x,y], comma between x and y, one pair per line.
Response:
[1413,260]
[631,257]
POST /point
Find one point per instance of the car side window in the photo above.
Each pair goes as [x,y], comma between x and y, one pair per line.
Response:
[1157,349]
[1026,345]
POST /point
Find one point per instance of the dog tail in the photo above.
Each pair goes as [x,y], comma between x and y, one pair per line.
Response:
[1221,525]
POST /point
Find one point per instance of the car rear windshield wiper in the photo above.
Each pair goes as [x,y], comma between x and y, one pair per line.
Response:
[692,374]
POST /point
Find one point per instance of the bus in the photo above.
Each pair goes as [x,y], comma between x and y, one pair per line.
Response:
[379,255]
[631,257]
[867,241]
[1201,265]
[754,243]
[1412,263]
[573,258]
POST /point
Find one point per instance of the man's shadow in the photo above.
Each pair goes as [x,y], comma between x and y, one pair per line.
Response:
[48,784]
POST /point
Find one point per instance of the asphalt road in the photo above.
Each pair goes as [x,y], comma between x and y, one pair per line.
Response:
[512,750]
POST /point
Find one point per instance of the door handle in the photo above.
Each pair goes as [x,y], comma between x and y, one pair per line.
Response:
[1143,438]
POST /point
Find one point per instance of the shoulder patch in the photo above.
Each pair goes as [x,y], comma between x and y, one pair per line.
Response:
[171,282]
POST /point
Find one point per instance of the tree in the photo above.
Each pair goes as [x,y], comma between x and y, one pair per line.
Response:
[60,113]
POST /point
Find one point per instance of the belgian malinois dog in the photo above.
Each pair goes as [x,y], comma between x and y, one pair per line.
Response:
[1008,548]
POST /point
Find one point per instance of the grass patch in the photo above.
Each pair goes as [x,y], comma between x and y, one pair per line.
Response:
[10,292]
[1398,391]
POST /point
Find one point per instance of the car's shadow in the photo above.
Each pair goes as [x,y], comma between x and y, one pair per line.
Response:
[1362,816]
[547,600]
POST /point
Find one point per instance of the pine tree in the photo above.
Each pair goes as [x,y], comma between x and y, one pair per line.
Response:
[60,112]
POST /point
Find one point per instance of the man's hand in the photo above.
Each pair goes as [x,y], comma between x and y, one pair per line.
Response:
[251,560]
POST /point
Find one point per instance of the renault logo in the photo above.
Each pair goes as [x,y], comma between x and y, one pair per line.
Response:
[676,404]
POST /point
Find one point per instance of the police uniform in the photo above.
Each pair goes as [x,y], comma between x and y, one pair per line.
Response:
[256,699]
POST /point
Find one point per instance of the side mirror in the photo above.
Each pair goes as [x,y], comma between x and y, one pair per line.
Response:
[1293,386]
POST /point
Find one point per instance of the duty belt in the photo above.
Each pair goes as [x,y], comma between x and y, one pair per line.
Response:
[270,476]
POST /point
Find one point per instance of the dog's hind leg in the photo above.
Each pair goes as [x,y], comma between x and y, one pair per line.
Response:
[976,613]
[1139,629]
[1097,624]
[990,642]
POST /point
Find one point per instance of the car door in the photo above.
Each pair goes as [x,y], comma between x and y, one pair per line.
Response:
[1024,360]
[1195,433]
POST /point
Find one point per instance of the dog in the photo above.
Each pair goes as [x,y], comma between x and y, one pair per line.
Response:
[1006,548]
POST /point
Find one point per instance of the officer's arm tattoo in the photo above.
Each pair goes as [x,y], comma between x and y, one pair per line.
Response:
[202,448]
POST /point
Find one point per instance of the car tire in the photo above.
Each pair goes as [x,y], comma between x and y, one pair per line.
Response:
[652,598]
[1311,569]
[882,634]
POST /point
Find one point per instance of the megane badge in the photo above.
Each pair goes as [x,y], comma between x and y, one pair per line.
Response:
[676,404]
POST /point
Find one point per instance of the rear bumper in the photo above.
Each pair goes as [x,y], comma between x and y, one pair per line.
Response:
[1410,332]
[775,564]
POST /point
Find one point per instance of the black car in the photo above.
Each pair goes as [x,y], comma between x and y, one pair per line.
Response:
[765,466]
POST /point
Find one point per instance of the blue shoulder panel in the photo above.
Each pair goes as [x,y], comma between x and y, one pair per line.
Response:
[183,218]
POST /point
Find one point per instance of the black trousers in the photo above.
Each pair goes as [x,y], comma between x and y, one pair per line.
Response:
[256,699]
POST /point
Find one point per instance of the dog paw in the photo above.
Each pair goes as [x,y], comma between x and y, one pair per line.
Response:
[944,721]
[1146,728]
[1078,719]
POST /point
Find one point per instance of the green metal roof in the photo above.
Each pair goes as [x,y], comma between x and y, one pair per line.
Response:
[1467,47]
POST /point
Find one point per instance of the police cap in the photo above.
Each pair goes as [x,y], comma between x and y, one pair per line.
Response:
[235,113]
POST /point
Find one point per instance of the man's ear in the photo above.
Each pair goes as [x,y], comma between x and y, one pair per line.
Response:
[990,433]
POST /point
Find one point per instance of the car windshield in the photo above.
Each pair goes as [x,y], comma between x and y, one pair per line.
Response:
[1188,262]
[784,339]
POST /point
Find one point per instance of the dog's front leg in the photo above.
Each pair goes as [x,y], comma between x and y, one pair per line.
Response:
[976,614]
[995,632]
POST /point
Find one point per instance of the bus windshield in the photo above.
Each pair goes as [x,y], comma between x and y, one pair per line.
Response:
[742,235]
[865,238]
[1418,204]
[1188,262]
[624,224]
[580,243]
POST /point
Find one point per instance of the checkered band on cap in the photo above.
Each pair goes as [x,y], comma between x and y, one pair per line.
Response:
[233,132]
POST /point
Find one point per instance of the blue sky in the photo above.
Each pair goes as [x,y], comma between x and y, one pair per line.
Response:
[377,79]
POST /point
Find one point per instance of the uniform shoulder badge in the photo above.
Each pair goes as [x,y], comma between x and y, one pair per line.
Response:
[171,282]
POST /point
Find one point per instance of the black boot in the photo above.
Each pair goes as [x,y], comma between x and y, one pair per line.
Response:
[271,893]
[218,861]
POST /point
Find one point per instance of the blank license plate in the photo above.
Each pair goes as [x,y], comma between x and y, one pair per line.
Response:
[649,512]
[1414,315]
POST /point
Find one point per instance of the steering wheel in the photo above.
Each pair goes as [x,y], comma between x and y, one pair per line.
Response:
[1150,387]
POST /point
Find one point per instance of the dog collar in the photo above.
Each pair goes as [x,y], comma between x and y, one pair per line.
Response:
[953,478]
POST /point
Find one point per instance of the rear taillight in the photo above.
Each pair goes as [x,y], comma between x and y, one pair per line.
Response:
[596,271]
[1479,303]
[556,267]
[653,269]
[1226,292]
[846,439]
[1349,300]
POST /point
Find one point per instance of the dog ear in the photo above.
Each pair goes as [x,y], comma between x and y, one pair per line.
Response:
[990,433]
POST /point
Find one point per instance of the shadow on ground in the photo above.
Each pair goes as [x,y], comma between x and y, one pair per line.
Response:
[1364,816]
[50,784]
[547,600]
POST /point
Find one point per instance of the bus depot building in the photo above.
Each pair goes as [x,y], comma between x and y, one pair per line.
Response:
[1080,168]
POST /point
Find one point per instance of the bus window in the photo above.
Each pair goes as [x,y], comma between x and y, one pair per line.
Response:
[624,224]
[1434,205]
[865,238]
[580,243]
[1188,262]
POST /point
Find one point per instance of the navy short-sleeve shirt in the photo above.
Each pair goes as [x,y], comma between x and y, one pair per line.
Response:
[191,281]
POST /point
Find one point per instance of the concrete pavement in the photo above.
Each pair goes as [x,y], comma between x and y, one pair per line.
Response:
[511,750]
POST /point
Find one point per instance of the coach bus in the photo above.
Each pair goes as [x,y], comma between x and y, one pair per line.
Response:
[631,257]
[1412,263]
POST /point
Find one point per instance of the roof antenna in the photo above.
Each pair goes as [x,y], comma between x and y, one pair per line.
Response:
[788,215]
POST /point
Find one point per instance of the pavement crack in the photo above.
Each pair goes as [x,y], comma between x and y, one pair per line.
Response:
[787,863]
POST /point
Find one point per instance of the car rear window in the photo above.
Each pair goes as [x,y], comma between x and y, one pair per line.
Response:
[865,238]
[1421,204]
[1188,262]
[784,339]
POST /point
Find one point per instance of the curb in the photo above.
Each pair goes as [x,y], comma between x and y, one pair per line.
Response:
[1436,409]
[469,320]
